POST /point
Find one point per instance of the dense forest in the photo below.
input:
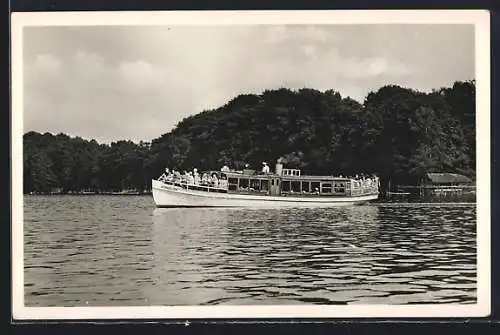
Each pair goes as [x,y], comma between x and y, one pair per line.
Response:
[397,133]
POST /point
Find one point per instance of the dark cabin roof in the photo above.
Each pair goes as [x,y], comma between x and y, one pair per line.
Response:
[448,178]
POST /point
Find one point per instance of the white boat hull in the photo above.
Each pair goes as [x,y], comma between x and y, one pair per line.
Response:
[173,196]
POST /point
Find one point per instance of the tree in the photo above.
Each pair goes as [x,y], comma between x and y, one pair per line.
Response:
[397,133]
[409,133]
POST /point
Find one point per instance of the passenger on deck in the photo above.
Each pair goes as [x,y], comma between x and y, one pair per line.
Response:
[215,180]
[183,177]
[223,183]
[225,168]
[265,168]
[204,179]
[196,177]
[190,178]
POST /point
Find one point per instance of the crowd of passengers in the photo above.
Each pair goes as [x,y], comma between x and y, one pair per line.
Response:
[194,178]
[364,181]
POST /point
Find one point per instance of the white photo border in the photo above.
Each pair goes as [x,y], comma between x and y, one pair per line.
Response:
[479,18]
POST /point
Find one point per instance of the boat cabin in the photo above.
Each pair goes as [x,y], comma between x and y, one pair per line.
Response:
[283,182]
[291,182]
[290,172]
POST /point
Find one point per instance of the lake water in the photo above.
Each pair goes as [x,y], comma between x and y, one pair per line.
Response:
[121,251]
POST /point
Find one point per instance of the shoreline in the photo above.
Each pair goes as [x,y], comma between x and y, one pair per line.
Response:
[379,201]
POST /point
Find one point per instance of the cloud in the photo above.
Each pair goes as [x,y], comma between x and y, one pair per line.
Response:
[88,65]
[46,63]
[309,50]
[140,75]
[276,34]
[112,83]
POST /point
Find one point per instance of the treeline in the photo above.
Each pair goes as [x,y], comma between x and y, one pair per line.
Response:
[75,164]
[397,133]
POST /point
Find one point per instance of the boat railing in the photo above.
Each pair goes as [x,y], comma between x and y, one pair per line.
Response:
[364,191]
[191,186]
[364,187]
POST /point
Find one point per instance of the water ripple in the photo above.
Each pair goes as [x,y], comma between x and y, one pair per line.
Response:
[103,251]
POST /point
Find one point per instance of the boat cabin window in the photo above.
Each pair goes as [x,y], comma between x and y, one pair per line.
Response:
[295,186]
[244,184]
[290,172]
[255,185]
[285,186]
[339,187]
[264,185]
[315,186]
[233,184]
[248,184]
[306,186]
[326,187]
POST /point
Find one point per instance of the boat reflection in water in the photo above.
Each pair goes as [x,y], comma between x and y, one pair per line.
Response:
[368,254]
[265,256]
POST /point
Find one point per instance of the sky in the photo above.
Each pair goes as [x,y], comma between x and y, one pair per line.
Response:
[112,83]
